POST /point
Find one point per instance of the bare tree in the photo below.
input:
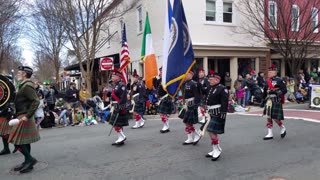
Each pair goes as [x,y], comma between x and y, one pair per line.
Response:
[47,33]
[289,27]
[9,30]
[86,23]
[41,63]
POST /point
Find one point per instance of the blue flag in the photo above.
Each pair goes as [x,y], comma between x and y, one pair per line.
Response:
[181,56]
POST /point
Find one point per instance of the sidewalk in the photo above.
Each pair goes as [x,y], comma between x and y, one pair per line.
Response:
[291,111]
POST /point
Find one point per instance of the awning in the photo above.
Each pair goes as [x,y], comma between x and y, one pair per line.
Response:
[96,63]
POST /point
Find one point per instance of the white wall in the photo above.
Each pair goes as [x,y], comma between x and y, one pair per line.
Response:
[202,32]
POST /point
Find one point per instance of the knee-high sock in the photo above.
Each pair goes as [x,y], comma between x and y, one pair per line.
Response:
[26,153]
[29,147]
[5,142]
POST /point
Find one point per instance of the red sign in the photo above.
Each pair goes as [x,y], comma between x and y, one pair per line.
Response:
[106,63]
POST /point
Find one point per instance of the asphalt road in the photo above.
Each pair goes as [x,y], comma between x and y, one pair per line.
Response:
[85,153]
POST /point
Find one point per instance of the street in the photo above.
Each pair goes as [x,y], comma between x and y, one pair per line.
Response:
[85,153]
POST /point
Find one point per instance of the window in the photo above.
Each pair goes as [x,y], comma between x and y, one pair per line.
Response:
[272,14]
[211,10]
[314,20]
[295,18]
[227,12]
[139,19]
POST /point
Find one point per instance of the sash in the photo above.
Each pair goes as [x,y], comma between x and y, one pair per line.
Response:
[114,96]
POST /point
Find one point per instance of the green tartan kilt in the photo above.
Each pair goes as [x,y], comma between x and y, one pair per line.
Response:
[191,116]
[276,111]
[121,121]
[24,132]
[165,107]
[216,125]
[4,126]
[139,107]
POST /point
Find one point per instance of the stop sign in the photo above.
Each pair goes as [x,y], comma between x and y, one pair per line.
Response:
[106,63]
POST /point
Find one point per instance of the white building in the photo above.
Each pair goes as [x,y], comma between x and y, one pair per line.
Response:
[213,27]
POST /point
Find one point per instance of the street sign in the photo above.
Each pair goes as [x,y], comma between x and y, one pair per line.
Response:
[106,63]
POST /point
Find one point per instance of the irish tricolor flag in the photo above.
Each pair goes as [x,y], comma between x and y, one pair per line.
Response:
[148,56]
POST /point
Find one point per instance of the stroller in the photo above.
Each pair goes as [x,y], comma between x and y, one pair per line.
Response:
[257,94]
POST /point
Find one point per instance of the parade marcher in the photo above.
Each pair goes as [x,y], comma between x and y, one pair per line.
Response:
[273,108]
[191,100]
[6,114]
[203,85]
[119,117]
[217,107]
[25,132]
[138,94]
[164,101]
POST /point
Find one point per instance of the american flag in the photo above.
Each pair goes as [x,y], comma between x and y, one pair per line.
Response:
[124,58]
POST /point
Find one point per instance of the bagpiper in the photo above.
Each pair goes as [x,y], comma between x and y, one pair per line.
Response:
[191,99]
[25,132]
[7,95]
[276,89]
[216,107]
[164,101]
[119,116]
[138,94]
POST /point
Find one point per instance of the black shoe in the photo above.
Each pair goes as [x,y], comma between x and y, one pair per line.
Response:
[4,152]
[184,143]
[19,167]
[283,134]
[165,131]
[215,159]
[208,156]
[27,168]
[118,143]
[267,138]
[15,150]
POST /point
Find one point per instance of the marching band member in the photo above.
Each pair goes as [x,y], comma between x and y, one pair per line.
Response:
[138,94]
[119,117]
[25,132]
[217,107]
[192,100]
[165,102]
[273,108]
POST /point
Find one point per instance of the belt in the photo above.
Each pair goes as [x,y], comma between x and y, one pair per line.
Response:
[190,99]
[163,97]
[272,96]
[214,106]
[135,95]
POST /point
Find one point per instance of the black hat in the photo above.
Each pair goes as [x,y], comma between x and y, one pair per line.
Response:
[272,68]
[135,74]
[72,83]
[213,74]
[160,69]
[116,72]
[26,69]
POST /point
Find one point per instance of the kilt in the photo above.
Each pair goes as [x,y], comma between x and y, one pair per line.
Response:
[139,107]
[191,115]
[121,121]
[165,107]
[24,132]
[276,111]
[216,125]
[4,126]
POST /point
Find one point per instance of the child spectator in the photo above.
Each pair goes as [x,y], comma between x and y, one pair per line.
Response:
[39,114]
[299,97]
[89,119]
[78,117]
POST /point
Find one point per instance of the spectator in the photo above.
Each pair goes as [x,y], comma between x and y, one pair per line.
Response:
[84,94]
[290,86]
[248,84]
[39,114]
[50,93]
[227,80]
[89,119]
[72,99]
[64,111]
[77,118]
[299,97]
[262,84]
[38,89]
[314,74]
